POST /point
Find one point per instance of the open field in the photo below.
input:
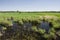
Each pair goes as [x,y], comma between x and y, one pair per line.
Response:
[19,16]
[29,16]
[35,19]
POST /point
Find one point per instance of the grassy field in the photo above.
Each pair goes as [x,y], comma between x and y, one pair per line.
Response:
[30,16]
[53,17]
[19,16]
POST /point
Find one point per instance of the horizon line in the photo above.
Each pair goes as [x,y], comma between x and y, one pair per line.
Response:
[30,11]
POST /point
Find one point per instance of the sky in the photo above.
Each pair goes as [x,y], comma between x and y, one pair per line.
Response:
[30,5]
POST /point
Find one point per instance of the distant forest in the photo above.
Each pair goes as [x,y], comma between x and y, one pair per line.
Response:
[30,12]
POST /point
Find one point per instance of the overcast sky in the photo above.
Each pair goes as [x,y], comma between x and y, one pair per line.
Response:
[30,5]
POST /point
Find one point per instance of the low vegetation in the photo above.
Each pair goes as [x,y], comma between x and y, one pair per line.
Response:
[9,33]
